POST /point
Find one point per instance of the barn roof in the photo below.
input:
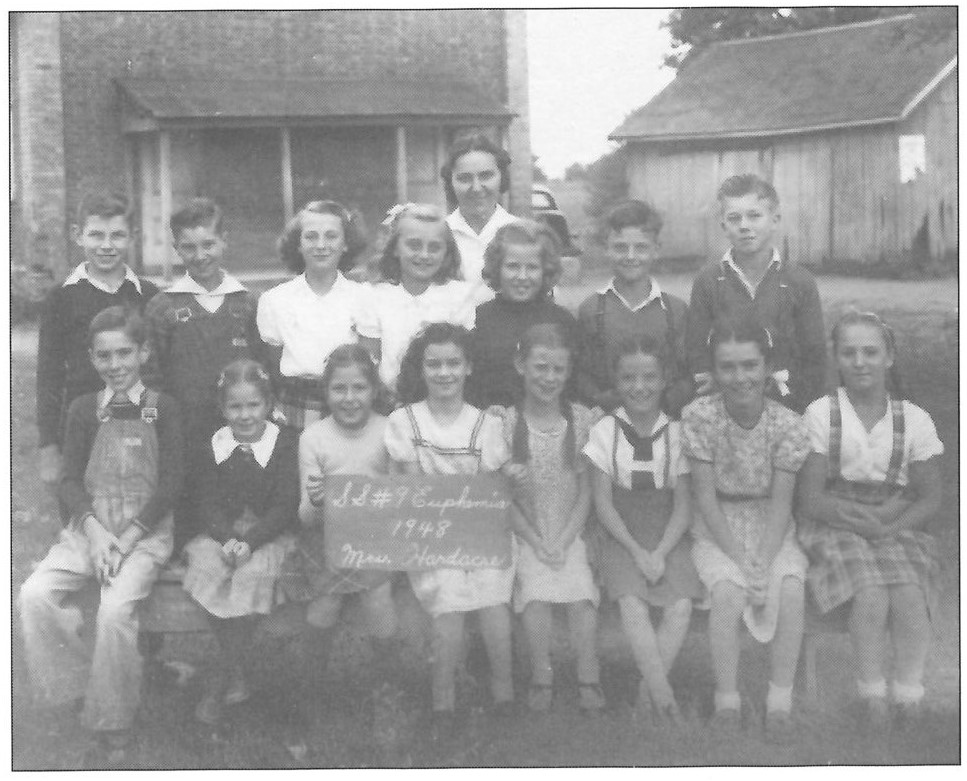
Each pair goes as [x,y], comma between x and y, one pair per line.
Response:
[173,100]
[859,74]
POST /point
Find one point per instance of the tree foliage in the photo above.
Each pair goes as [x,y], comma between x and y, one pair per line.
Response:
[693,28]
[606,182]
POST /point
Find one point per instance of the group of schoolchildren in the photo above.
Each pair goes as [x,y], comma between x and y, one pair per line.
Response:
[204,418]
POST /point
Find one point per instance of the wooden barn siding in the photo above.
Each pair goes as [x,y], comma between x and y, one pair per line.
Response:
[841,194]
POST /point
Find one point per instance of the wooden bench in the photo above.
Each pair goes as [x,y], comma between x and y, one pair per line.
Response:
[168,609]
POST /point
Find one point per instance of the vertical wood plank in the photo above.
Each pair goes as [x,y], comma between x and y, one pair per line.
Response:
[288,203]
[401,177]
[164,174]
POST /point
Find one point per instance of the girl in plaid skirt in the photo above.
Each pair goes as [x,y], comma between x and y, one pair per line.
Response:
[868,490]
[303,320]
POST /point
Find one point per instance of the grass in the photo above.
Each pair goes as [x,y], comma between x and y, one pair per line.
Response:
[924,315]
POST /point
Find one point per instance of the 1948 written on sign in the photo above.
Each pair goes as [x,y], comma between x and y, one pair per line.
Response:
[410,522]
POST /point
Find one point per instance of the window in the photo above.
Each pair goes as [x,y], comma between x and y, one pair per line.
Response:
[913,157]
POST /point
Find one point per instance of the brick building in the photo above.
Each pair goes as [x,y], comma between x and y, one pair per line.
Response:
[261,110]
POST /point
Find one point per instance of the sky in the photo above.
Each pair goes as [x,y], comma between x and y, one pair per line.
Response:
[588,69]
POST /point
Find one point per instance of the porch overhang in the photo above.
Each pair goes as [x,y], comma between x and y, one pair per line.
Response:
[171,103]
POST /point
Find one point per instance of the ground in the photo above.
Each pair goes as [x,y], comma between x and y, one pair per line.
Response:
[925,317]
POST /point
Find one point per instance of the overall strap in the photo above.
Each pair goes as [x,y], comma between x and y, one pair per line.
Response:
[668,457]
[614,448]
[834,456]
[602,299]
[417,436]
[671,333]
[899,430]
[474,435]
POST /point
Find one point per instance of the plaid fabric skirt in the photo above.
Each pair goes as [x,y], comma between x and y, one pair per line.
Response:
[842,563]
[306,575]
[301,400]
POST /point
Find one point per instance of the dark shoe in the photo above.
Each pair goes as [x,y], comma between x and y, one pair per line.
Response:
[908,715]
[112,750]
[874,715]
[504,711]
[443,726]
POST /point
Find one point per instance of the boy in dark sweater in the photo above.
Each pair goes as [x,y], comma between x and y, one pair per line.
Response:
[122,471]
[753,280]
[64,370]
[199,325]
[632,305]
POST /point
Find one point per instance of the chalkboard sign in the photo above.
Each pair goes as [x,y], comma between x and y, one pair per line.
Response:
[410,522]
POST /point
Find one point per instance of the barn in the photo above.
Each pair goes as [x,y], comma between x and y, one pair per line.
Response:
[260,110]
[856,126]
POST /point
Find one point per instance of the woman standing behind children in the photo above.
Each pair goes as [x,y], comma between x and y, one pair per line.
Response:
[546,434]
[249,503]
[522,265]
[420,268]
[437,432]
[869,488]
[745,451]
[641,494]
[306,318]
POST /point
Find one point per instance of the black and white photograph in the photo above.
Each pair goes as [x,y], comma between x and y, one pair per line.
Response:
[484,388]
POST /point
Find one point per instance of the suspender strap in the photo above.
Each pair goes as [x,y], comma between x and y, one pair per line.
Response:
[834,457]
[474,450]
[417,436]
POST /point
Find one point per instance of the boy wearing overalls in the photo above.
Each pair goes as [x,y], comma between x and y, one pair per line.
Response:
[122,468]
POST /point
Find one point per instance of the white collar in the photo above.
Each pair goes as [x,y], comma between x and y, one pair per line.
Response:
[224,444]
[188,285]
[655,293]
[341,282]
[662,419]
[728,261]
[458,223]
[80,272]
[134,395]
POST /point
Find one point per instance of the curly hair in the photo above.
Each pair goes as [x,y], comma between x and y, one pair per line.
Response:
[743,330]
[525,232]
[411,386]
[356,355]
[473,142]
[389,262]
[288,244]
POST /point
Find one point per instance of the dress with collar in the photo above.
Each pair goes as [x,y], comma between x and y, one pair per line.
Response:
[644,472]
[64,369]
[251,494]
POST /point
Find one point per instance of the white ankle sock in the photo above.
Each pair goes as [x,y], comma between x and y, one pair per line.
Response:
[727,701]
[868,690]
[779,698]
[907,693]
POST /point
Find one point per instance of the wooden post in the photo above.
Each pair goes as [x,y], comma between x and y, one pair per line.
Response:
[401,173]
[164,173]
[127,143]
[288,205]
[440,158]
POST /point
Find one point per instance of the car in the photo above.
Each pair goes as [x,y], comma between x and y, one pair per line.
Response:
[545,210]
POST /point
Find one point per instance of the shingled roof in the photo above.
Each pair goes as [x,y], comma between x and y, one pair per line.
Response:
[173,99]
[858,74]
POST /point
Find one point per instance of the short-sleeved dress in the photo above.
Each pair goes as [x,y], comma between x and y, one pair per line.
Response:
[744,461]
[553,492]
[869,467]
[250,494]
[473,443]
[643,472]
[326,448]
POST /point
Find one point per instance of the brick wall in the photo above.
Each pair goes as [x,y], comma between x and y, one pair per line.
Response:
[467,45]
